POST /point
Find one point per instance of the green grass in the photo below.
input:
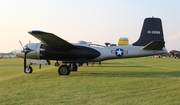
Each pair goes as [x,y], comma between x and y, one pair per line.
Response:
[140,81]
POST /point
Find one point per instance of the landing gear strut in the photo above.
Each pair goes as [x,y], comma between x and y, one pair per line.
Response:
[73,67]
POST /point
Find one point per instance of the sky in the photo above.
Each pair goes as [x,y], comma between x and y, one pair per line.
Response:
[96,21]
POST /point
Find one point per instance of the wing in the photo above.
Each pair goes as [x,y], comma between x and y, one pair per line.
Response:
[52,40]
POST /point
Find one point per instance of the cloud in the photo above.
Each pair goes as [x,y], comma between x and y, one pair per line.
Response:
[174,37]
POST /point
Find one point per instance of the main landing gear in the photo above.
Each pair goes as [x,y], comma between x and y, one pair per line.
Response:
[65,69]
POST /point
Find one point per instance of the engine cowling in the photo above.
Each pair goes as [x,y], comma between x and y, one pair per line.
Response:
[35,49]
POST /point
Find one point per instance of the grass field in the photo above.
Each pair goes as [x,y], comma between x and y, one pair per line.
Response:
[137,81]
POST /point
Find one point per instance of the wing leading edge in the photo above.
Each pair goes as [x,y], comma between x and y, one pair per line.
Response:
[52,40]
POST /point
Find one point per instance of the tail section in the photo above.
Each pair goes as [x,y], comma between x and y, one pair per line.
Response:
[151,37]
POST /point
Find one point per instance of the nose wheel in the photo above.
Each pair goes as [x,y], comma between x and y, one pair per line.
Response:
[28,69]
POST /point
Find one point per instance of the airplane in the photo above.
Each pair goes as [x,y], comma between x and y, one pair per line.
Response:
[151,42]
[175,53]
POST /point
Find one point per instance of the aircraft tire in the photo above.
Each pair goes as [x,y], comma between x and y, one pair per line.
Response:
[64,70]
[28,69]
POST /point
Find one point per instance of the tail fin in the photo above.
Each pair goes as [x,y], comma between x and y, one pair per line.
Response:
[151,32]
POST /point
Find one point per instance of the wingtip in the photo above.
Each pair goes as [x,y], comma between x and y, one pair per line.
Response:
[29,32]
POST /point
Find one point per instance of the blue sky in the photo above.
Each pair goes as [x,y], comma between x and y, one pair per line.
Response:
[96,21]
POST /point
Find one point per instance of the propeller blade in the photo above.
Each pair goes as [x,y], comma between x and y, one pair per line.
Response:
[21,45]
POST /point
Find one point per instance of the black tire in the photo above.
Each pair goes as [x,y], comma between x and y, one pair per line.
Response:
[73,67]
[64,70]
[28,69]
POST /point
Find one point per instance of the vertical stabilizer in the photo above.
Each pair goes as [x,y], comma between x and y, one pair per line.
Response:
[151,31]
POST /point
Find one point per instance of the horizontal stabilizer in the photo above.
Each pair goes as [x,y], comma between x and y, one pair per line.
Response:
[154,45]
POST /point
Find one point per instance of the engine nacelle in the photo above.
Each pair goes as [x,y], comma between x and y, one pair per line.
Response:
[35,49]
